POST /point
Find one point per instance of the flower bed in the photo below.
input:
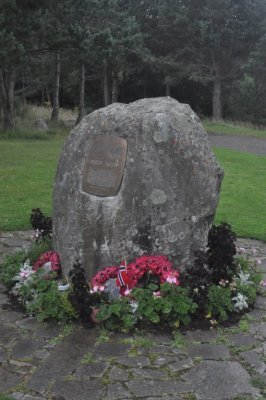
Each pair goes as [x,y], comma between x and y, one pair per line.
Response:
[143,292]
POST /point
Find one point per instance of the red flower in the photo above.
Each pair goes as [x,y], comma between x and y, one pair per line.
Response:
[49,256]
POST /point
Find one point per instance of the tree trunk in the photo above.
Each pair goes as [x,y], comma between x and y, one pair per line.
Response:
[81,95]
[55,110]
[7,81]
[115,89]
[217,106]
[106,89]
[167,89]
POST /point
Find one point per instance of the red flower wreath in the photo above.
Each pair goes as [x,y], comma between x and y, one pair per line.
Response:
[156,265]
[49,256]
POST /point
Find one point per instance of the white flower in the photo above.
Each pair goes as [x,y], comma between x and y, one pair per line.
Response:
[244,278]
[134,305]
[240,302]
[24,275]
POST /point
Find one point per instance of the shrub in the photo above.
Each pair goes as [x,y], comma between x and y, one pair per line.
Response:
[10,267]
[221,252]
[219,302]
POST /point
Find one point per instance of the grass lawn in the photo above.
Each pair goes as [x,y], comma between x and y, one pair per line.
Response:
[228,128]
[243,195]
[27,169]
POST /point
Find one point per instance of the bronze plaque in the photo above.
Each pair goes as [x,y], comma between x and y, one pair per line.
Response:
[104,169]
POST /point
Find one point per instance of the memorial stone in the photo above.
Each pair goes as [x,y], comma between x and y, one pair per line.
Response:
[135,179]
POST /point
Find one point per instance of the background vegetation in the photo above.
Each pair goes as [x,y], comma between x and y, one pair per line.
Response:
[88,53]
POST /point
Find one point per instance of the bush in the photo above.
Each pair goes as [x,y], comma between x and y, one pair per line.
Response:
[10,267]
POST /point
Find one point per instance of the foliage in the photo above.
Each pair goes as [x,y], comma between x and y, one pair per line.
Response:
[41,297]
[178,341]
[197,279]
[81,298]
[12,263]
[219,302]
[5,397]
[10,267]
[163,304]
[221,252]
[42,225]
[37,249]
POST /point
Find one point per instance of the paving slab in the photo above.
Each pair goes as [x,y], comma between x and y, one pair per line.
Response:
[8,316]
[204,336]
[3,355]
[257,314]
[253,359]
[261,331]
[148,373]
[142,388]
[78,390]
[93,370]
[26,347]
[242,340]
[8,333]
[116,391]
[118,374]
[137,361]
[209,351]
[164,360]
[8,379]
[181,364]
[63,360]
[260,303]
[48,331]
[29,323]
[220,380]
[112,349]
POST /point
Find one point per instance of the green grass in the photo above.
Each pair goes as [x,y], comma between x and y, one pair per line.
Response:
[242,202]
[27,169]
[228,128]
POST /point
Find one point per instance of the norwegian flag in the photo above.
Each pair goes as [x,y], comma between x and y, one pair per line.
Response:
[122,279]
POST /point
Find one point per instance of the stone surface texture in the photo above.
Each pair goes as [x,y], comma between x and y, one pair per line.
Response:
[77,366]
[167,198]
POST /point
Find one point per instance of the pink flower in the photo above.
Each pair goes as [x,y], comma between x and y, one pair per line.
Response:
[127,292]
[97,289]
[242,250]
[171,279]
[263,283]
[157,294]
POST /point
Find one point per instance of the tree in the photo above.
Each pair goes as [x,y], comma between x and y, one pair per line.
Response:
[222,33]
[18,41]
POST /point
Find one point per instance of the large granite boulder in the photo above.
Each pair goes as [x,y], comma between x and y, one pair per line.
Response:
[132,179]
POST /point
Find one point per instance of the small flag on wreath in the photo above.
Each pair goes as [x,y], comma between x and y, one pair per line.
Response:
[122,276]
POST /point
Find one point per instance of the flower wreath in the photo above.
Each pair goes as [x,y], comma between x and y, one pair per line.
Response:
[156,265]
[50,260]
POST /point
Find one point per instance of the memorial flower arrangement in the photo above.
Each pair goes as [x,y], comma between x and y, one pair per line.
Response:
[142,292]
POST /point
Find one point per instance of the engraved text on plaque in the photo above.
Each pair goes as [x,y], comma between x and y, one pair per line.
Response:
[104,169]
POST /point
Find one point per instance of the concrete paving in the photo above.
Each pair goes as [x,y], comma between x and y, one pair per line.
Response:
[47,361]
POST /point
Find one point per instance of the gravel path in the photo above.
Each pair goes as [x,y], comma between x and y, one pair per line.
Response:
[43,361]
[248,144]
